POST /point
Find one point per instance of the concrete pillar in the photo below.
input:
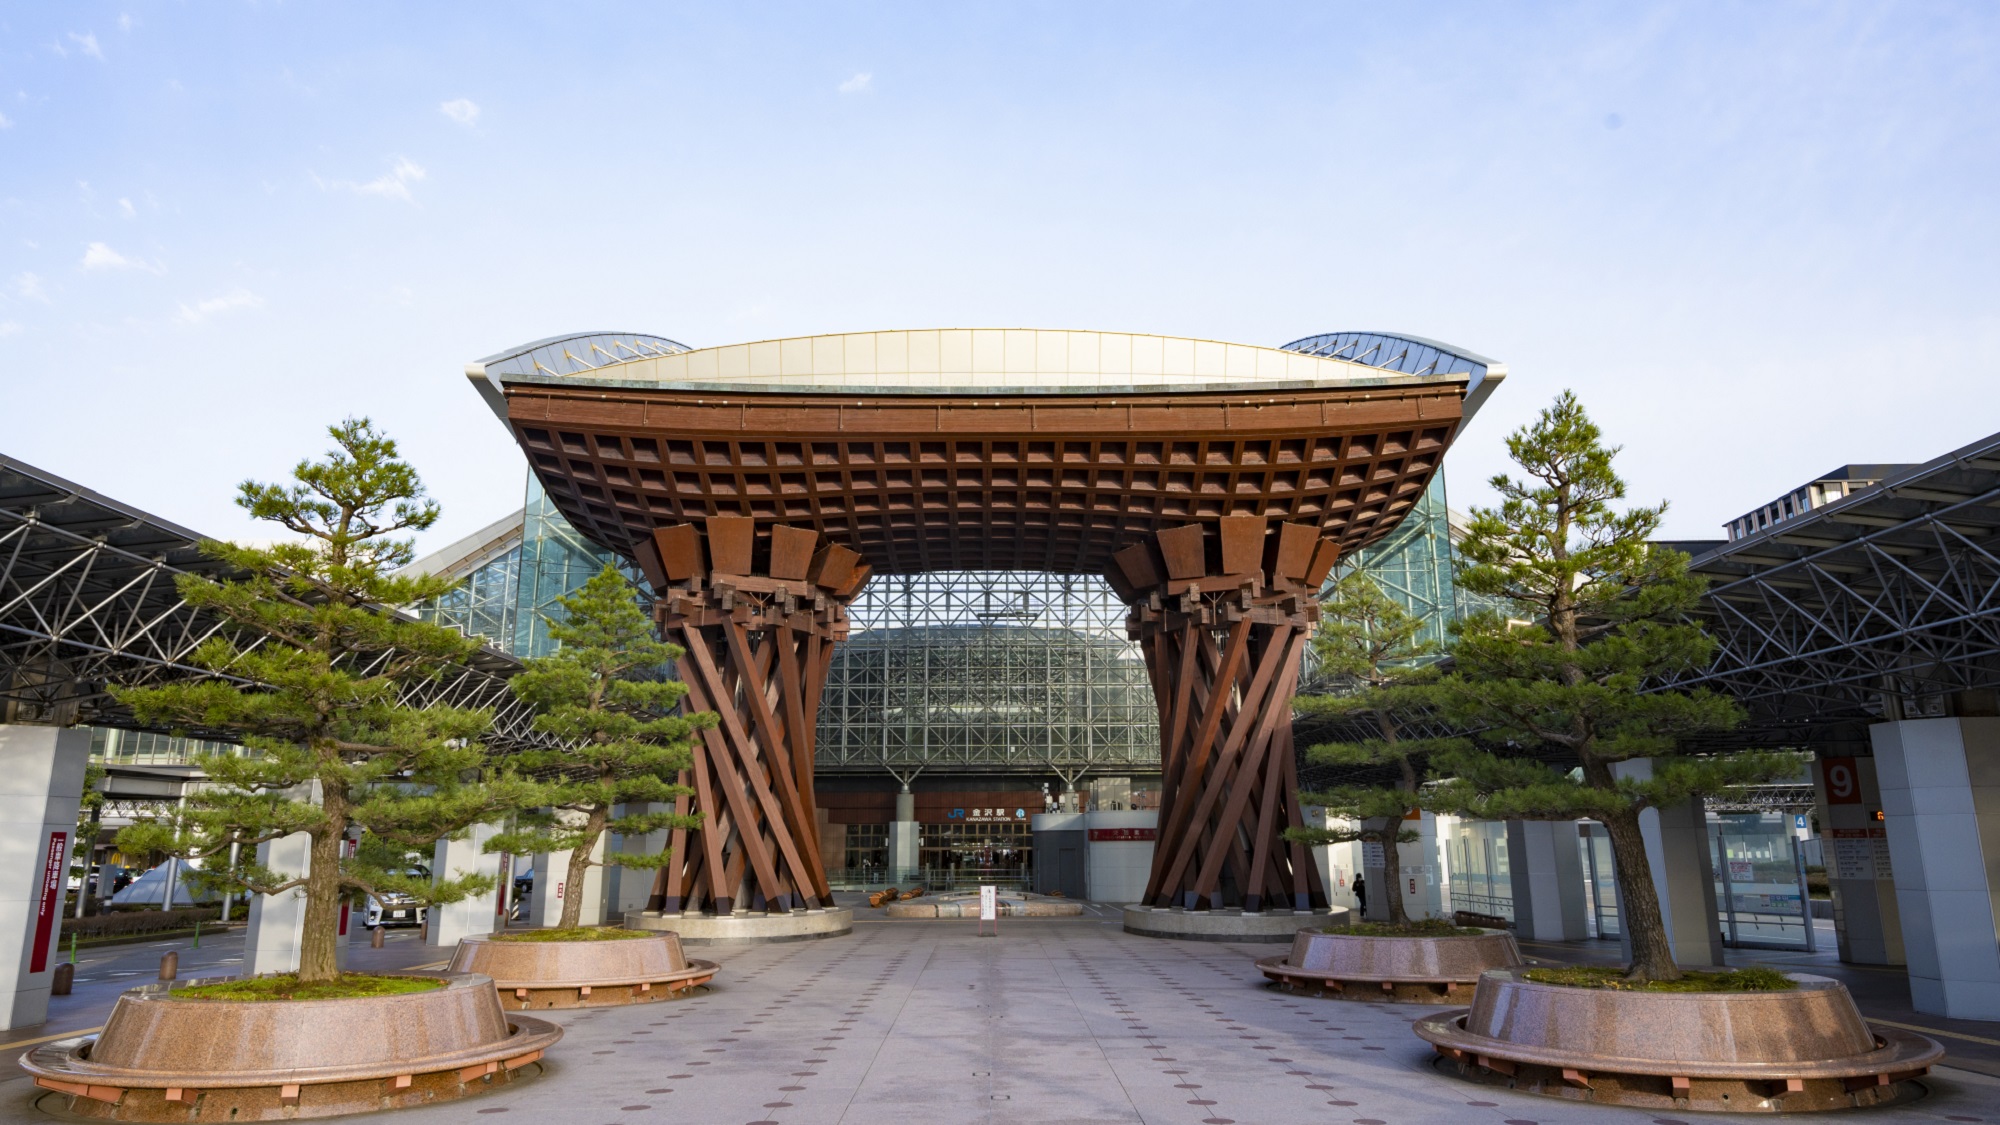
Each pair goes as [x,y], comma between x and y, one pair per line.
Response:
[271,939]
[1940,782]
[1677,850]
[1545,867]
[455,859]
[551,876]
[41,789]
[1867,923]
[904,853]
[627,889]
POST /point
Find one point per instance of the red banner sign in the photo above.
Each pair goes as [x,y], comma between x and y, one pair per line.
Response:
[1842,780]
[1120,835]
[52,901]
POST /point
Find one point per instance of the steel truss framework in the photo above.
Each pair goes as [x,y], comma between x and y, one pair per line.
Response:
[988,671]
[87,599]
[1882,605]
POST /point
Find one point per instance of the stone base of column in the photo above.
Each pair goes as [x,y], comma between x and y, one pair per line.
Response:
[1227,924]
[710,929]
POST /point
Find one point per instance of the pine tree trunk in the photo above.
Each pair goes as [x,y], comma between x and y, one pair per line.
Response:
[579,866]
[1639,902]
[318,960]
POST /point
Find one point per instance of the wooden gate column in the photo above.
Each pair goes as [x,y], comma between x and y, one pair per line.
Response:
[759,619]
[1223,615]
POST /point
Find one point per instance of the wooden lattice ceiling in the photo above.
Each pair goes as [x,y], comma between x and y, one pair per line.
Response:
[937,481]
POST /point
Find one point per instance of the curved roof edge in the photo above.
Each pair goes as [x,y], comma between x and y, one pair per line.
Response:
[1410,355]
[567,354]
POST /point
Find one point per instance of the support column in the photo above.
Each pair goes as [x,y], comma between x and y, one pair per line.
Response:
[1677,851]
[455,859]
[1867,923]
[759,618]
[905,841]
[1545,865]
[271,939]
[41,789]
[1223,613]
[552,889]
[1940,783]
[626,890]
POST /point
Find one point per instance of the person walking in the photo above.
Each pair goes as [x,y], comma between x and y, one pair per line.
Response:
[1361,893]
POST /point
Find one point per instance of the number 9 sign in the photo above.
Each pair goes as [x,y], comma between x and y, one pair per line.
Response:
[1842,780]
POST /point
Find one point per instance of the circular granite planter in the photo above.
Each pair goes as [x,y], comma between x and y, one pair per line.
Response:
[1228,924]
[711,929]
[1807,1049]
[583,974]
[1410,970]
[164,1058]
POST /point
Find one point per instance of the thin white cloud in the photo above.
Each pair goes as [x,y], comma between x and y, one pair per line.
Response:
[465,111]
[87,43]
[29,287]
[856,84]
[126,209]
[125,21]
[6,122]
[8,328]
[229,302]
[98,256]
[395,184]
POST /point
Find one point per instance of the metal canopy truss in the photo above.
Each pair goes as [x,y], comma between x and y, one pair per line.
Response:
[1880,605]
[87,599]
[1013,672]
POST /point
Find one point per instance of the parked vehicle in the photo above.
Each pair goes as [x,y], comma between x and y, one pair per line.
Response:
[397,909]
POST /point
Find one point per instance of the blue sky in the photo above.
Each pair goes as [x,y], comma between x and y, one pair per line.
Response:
[1759,240]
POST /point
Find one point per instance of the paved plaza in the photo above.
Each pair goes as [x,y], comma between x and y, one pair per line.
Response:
[1064,1020]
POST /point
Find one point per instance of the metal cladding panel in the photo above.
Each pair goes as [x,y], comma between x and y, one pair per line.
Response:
[1294,551]
[730,543]
[1138,566]
[1324,556]
[679,546]
[649,563]
[1182,549]
[792,551]
[833,568]
[1242,544]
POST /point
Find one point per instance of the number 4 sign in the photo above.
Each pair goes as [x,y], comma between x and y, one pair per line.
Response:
[1842,780]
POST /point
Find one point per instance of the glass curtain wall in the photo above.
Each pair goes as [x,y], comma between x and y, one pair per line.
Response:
[1016,671]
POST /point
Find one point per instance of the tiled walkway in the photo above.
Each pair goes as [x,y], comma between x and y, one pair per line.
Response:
[1053,1021]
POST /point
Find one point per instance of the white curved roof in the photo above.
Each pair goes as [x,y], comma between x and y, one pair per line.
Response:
[979,358]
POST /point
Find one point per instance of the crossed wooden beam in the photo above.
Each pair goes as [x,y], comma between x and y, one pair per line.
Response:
[758,621]
[1222,612]
[1223,615]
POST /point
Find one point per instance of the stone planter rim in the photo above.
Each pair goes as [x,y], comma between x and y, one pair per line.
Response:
[66,1059]
[695,967]
[1281,964]
[1895,1051]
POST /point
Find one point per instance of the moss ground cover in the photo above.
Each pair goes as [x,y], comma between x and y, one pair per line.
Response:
[1429,927]
[287,986]
[574,933]
[1734,980]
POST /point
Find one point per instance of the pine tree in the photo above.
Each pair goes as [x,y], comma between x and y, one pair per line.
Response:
[314,692]
[1373,658]
[1560,702]
[601,695]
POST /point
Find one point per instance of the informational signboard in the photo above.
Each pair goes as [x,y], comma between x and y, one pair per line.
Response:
[1372,855]
[1853,854]
[989,904]
[1843,781]
[1121,835]
[1741,871]
[1878,841]
[52,901]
